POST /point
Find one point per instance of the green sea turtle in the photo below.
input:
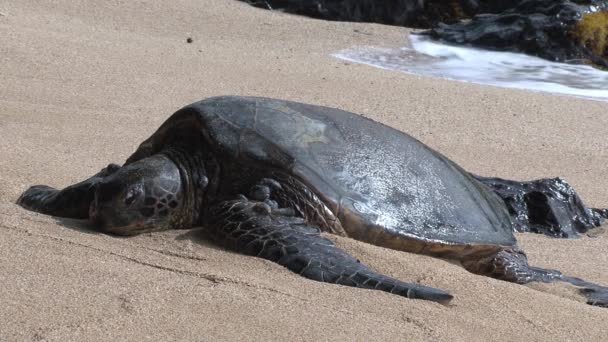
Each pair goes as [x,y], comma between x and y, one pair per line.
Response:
[265,177]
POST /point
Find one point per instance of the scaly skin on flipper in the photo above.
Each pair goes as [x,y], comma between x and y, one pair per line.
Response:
[254,228]
[511,264]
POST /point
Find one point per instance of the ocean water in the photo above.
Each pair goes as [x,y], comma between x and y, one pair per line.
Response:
[467,64]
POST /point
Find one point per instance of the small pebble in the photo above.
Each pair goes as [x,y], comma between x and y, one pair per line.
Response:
[189,40]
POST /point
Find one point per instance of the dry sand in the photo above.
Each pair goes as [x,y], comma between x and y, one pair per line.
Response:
[83,82]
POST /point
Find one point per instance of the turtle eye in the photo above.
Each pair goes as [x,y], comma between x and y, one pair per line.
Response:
[131,196]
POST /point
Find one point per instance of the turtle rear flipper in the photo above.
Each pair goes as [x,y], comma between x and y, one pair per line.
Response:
[511,264]
[255,228]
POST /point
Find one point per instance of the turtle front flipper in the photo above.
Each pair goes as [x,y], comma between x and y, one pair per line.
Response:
[259,229]
[72,202]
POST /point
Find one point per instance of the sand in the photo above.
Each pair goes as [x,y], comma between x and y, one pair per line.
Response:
[83,82]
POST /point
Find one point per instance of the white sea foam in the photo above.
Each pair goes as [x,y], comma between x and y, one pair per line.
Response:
[502,69]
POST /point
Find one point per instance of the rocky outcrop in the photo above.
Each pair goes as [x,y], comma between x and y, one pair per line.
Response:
[558,30]
[411,13]
[545,206]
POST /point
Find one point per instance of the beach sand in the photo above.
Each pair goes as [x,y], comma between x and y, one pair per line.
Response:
[84,82]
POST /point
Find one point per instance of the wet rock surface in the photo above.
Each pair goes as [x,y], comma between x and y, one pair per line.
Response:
[546,206]
[543,28]
[412,13]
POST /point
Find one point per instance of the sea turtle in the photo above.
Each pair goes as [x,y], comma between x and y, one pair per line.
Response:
[265,177]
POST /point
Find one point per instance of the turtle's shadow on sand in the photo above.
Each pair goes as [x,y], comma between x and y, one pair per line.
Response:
[82,226]
[596,294]
[198,235]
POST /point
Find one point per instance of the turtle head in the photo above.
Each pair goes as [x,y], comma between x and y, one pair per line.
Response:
[140,197]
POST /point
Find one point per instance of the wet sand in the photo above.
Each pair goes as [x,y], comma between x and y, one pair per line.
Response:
[83,82]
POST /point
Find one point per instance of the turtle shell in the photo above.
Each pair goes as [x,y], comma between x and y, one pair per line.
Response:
[370,175]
